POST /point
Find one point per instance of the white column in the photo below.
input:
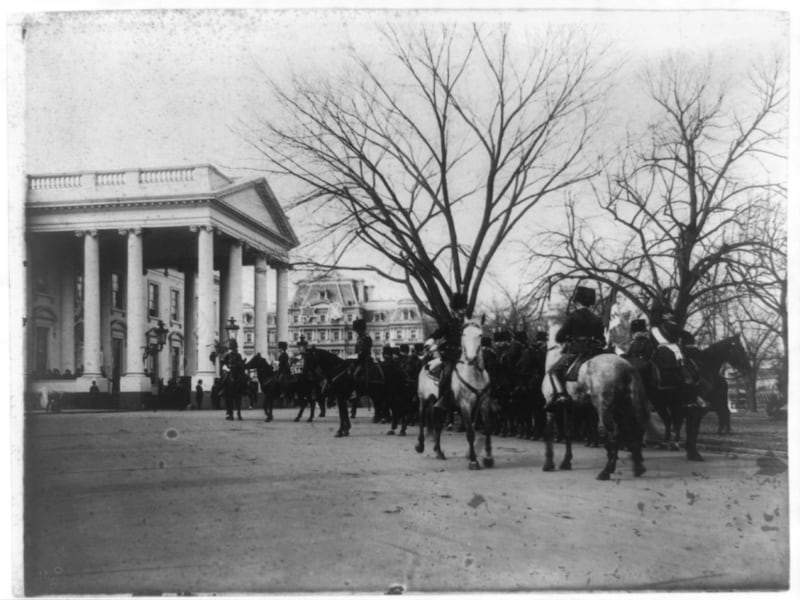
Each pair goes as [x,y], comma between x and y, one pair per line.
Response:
[282,303]
[260,300]
[134,379]
[234,288]
[91,305]
[206,318]
[190,320]
[67,313]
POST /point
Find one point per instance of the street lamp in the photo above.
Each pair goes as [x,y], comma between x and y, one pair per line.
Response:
[154,347]
[231,328]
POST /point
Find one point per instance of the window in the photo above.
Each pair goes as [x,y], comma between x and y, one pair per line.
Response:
[152,299]
[335,335]
[386,335]
[248,318]
[323,335]
[42,335]
[248,337]
[412,334]
[117,299]
[296,336]
[174,305]
[322,318]
[350,335]
[398,335]
[79,289]
[295,319]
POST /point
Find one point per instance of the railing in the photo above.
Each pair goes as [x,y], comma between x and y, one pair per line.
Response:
[53,182]
[102,179]
[166,175]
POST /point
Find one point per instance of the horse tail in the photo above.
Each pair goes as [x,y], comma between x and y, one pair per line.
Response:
[637,397]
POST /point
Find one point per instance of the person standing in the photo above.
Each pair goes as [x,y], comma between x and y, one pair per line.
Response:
[198,395]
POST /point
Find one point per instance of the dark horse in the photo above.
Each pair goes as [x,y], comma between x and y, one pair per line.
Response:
[338,382]
[268,379]
[234,385]
[674,406]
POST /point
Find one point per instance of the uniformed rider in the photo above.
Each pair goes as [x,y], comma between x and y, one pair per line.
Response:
[449,336]
[361,372]
[284,366]
[581,335]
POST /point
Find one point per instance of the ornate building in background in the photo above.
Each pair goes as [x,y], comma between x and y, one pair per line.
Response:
[322,310]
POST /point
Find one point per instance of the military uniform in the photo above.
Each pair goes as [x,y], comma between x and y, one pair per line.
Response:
[582,335]
[449,334]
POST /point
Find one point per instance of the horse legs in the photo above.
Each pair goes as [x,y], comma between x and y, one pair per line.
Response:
[693,417]
[344,419]
[566,462]
[438,423]
[239,406]
[636,456]
[466,417]
[488,417]
[312,402]
[549,432]
[228,407]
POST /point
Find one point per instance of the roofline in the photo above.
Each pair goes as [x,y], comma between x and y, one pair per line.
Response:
[211,166]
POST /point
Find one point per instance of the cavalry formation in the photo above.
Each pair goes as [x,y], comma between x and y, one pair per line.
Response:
[565,385]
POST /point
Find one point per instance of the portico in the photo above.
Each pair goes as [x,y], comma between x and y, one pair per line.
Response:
[110,254]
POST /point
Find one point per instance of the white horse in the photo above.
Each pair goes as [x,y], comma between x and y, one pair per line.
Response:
[470,396]
[610,385]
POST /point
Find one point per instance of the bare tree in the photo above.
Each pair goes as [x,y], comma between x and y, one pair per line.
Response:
[679,205]
[434,157]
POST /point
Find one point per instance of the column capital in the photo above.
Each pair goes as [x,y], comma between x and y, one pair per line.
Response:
[87,232]
[277,263]
[133,230]
[196,228]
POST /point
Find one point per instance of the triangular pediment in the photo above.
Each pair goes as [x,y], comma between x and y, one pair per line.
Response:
[255,201]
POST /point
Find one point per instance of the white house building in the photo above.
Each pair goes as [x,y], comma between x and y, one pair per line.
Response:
[111,254]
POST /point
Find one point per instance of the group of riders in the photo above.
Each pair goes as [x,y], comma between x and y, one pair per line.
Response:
[662,352]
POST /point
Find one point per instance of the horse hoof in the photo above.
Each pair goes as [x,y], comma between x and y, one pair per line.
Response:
[441,456]
[240,417]
[309,420]
[694,456]
[339,434]
[390,432]
[565,467]
[474,466]
[229,418]
[639,470]
[419,448]
[297,420]
[402,433]
[549,467]
[603,476]
[266,420]
[488,462]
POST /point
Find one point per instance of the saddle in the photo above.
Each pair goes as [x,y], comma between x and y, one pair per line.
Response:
[583,350]
[670,371]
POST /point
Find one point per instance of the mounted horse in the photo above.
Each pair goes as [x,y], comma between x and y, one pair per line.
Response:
[339,382]
[469,394]
[268,379]
[677,401]
[612,387]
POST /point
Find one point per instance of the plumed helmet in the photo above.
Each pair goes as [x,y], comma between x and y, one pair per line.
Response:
[302,341]
[458,301]
[404,348]
[638,325]
[541,336]
[359,325]
[521,336]
[584,296]
[283,346]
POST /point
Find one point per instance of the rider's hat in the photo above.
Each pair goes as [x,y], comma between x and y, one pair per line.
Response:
[419,347]
[638,325]
[302,341]
[359,325]
[584,296]
[458,301]
[404,349]
[521,336]
[283,346]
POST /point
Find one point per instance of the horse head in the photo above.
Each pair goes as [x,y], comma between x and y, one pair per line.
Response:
[736,355]
[471,344]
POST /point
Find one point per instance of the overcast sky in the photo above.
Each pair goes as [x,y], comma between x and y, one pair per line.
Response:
[108,90]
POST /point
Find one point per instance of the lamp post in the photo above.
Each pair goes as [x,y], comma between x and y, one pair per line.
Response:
[156,339]
[231,328]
